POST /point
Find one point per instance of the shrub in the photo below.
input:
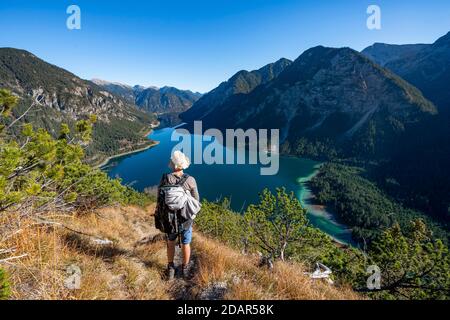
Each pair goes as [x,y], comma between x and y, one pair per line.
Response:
[217,220]
[412,264]
[310,246]
[276,222]
[40,173]
[4,286]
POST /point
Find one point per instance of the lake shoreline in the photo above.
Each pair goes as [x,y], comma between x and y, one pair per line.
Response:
[242,184]
[125,153]
[121,154]
[320,210]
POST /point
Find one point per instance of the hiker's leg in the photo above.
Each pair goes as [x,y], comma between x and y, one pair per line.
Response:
[170,251]
[186,245]
[186,249]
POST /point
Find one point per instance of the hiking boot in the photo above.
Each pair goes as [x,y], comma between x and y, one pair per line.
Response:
[170,271]
[185,270]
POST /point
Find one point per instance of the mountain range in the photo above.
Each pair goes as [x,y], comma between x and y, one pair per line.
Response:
[420,165]
[388,105]
[66,98]
[425,66]
[386,109]
[336,97]
[379,118]
[243,82]
[163,100]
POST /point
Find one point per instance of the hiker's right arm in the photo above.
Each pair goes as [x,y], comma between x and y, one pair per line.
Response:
[157,192]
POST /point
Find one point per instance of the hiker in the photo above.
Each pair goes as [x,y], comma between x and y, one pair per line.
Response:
[177,205]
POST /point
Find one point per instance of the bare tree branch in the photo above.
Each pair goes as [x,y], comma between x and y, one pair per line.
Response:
[23,114]
[14,258]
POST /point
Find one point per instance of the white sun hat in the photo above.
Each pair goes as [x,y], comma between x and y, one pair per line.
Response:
[179,161]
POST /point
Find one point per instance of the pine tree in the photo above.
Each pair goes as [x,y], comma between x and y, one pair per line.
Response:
[39,173]
[412,264]
[276,222]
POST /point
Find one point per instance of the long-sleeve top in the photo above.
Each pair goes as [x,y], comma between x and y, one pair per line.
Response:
[190,184]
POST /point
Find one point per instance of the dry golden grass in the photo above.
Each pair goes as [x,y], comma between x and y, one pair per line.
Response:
[117,271]
[122,270]
[219,263]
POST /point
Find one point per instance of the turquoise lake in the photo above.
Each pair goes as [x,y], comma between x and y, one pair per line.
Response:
[241,183]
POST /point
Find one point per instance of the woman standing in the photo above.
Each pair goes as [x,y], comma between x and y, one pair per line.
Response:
[178,226]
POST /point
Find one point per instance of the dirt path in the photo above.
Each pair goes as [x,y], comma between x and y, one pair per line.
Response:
[179,288]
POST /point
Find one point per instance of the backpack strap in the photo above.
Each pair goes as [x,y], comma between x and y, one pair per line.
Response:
[164,179]
[182,180]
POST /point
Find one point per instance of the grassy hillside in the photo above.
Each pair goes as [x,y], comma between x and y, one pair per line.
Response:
[130,269]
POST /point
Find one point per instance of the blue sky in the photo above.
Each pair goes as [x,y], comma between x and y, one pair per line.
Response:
[197,44]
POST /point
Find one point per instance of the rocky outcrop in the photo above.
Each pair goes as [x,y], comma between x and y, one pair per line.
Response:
[28,76]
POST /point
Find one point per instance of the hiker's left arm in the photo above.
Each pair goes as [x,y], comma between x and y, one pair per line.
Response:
[193,188]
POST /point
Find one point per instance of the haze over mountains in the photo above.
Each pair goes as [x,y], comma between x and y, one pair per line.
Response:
[383,53]
[123,90]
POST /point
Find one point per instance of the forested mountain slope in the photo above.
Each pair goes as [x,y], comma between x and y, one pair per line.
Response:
[61,97]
